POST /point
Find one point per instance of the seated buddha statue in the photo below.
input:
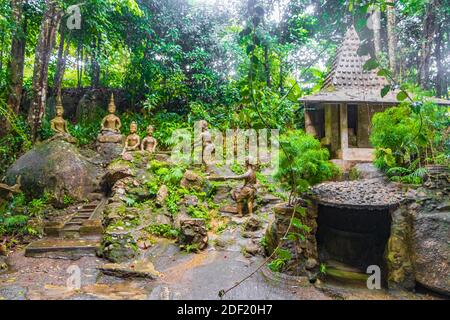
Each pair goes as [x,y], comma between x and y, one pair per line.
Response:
[111,124]
[133,140]
[59,125]
[149,143]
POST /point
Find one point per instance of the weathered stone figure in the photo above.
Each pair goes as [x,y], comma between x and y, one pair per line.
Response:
[111,124]
[133,140]
[149,143]
[247,192]
[59,125]
[207,145]
[110,140]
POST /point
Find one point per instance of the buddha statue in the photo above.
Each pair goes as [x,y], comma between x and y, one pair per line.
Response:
[133,141]
[111,122]
[149,143]
[110,126]
[110,140]
[59,125]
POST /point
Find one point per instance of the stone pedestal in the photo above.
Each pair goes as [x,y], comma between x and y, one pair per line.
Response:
[110,145]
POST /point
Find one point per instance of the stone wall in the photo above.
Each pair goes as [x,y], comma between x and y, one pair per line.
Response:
[83,103]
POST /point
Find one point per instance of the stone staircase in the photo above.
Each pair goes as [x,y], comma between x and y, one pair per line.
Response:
[77,236]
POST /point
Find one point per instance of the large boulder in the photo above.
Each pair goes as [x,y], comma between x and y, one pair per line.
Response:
[418,248]
[56,167]
[430,247]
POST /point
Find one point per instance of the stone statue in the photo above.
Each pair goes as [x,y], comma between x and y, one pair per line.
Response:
[110,140]
[59,125]
[207,145]
[111,123]
[133,140]
[247,192]
[149,143]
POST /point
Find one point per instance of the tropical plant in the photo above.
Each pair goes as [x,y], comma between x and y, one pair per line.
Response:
[303,162]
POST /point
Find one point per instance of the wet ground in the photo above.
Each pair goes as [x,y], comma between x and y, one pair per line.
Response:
[184,276]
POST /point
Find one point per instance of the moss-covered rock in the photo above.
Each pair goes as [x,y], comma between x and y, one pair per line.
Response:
[56,167]
[118,247]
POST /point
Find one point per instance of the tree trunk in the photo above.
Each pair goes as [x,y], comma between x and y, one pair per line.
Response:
[17,62]
[392,39]
[281,76]
[49,26]
[61,64]
[376,26]
[429,31]
[267,66]
[441,81]
[79,63]
[3,51]
[95,66]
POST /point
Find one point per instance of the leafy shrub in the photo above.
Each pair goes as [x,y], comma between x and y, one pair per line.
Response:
[163,230]
[282,257]
[14,143]
[408,137]
[303,162]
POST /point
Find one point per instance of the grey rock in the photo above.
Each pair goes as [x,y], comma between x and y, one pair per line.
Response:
[430,246]
[56,167]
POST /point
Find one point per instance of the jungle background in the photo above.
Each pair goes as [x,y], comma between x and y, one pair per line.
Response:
[236,64]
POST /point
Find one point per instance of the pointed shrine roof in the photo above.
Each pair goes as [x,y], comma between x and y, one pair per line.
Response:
[348,82]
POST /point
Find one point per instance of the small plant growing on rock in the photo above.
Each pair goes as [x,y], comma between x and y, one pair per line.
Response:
[190,247]
[163,230]
[282,257]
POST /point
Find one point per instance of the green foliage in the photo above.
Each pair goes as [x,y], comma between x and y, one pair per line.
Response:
[16,142]
[190,248]
[282,257]
[15,215]
[163,230]
[199,212]
[408,137]
[237,168]
[303,162]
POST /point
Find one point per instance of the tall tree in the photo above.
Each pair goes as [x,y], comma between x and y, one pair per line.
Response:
[49,26]
[392,39]
[63,51]
[441,77]
[17,61]
[376,27]
[428,34]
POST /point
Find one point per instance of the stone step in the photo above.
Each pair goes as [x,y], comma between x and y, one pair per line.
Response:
[74,223]
[95,197]
[71,227]
[345,273]
[62,248]
[86,210]
[82,215]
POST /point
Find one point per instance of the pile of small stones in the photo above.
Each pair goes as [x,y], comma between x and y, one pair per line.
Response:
[358,193]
